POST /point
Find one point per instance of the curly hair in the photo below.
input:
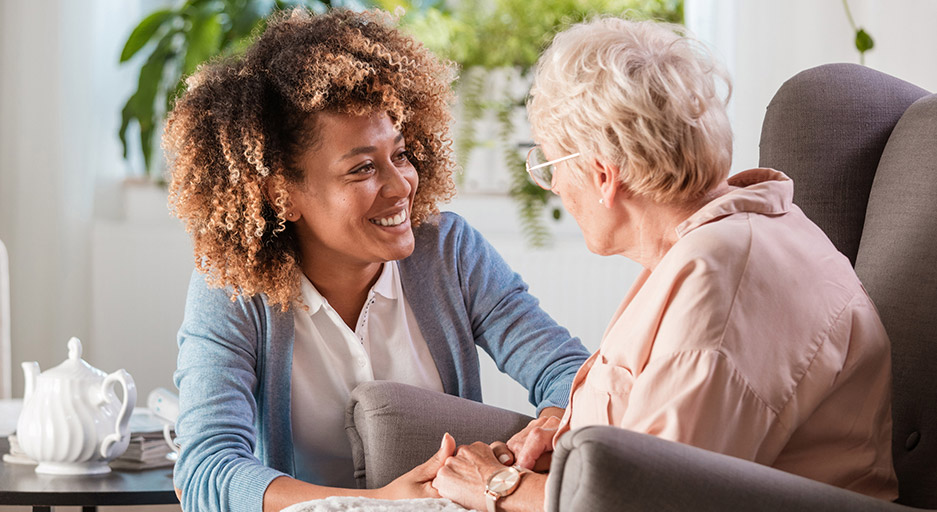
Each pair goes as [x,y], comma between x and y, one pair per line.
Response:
[641,94]
[242,123]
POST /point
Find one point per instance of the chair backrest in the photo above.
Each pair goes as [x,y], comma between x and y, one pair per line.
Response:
[6,365]
[861,147]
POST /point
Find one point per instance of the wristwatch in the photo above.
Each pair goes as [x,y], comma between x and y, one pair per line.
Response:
[502,483]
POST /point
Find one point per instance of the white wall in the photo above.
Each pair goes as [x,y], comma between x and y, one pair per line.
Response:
[60,98]
[60,94]
[773,41]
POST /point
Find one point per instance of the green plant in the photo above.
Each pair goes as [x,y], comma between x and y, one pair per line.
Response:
[480,35]
[175,41]
[863,41]
[483,36]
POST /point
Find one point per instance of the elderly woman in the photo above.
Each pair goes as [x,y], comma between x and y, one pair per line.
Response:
[308,173]
[747,333]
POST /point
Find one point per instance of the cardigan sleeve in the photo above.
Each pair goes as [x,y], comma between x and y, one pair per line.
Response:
[217,381]
[508,323]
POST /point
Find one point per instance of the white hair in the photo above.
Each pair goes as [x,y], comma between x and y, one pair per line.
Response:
[640,95]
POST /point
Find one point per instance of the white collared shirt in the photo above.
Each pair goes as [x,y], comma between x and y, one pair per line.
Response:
[329,360]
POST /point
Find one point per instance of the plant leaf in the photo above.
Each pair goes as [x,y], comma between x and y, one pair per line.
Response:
[204,41]
[141,106]
[143,32]
[864,41]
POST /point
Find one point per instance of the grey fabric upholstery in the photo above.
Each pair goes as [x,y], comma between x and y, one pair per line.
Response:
[607,468]
[829,124]
[394,427]
[898,265]
[861,147]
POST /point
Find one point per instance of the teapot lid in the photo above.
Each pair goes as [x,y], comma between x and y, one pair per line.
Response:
[74,367]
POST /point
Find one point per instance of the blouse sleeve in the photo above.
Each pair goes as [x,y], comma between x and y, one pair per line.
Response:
[216,377]
[697,398]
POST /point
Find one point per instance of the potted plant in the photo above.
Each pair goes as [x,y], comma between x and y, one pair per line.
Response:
[174,41]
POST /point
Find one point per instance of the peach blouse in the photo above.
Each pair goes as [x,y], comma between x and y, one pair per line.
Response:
[753,337]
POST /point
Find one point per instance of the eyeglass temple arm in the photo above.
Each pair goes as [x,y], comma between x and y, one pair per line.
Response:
[551,162]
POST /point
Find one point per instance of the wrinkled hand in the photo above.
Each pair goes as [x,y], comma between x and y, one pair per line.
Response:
[464,476]
[417,483]
[531,448]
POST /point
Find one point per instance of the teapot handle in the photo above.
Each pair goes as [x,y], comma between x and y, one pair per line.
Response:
[126,407]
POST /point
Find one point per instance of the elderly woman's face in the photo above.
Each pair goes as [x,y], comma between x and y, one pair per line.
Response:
[580,198]
[355,201]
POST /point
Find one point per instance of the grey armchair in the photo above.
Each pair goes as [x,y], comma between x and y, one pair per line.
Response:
[861,147]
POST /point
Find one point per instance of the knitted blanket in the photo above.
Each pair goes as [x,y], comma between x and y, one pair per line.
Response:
[358,504]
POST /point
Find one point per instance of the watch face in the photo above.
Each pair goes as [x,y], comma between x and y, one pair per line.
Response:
[503,480]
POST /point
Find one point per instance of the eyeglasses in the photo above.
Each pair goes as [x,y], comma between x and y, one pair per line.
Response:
[541,170]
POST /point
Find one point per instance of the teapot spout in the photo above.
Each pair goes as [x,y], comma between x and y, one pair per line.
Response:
[31,373]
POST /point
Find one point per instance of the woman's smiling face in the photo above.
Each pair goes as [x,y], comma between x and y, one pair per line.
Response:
[355,200]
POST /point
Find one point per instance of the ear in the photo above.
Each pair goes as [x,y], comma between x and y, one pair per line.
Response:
[606,178]
[270,194]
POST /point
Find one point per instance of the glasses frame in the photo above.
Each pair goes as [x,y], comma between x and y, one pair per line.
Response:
[540,182]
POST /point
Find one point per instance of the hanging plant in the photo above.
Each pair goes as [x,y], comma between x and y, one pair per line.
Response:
[487,36]
[863,40]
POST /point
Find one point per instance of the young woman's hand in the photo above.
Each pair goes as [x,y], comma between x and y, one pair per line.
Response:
[417,483]
[532,447]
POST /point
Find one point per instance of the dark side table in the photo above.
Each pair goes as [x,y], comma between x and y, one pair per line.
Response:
[20,485]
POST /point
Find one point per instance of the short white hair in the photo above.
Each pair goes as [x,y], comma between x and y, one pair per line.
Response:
[640,95]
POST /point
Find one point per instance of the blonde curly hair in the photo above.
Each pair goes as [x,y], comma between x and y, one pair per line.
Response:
[234,137]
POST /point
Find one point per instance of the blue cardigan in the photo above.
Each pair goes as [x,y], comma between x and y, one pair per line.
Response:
[233,371]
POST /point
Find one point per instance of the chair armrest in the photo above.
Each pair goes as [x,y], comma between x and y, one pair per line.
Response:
[394,427]
[608,468]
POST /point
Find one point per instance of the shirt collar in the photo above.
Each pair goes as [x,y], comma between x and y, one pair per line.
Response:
[763,191]
[385,283]
[384,286]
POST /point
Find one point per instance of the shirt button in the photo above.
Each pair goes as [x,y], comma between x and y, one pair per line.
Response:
[362,362]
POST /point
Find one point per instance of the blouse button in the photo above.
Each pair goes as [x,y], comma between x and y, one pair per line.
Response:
[912,441]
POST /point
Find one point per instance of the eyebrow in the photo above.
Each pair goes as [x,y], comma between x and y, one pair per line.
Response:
[367,149]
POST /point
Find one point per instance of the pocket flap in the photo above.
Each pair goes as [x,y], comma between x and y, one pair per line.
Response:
[609,378]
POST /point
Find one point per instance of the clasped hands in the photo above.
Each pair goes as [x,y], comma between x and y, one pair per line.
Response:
[461,474]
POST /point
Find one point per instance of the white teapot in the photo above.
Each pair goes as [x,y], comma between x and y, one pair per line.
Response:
[72,422]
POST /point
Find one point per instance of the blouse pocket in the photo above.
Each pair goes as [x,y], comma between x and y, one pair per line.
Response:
[610,386]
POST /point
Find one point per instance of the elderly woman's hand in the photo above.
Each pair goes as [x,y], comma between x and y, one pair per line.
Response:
[532,448]
[464,476]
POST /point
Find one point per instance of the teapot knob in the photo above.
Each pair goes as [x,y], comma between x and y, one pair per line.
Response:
[74,348]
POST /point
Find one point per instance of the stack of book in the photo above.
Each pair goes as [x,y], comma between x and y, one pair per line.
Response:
[16,455]
[147,449]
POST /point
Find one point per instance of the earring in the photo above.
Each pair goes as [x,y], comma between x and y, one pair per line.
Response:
[602,201]
[291,216]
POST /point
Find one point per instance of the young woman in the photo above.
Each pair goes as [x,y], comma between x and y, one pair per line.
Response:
[309,173]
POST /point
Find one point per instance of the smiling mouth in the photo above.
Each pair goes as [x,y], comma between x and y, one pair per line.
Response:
[395,220]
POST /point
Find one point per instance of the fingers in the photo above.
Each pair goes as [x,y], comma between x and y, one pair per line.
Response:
[502,453]
[447,447]
[538,442]
[462,478]
[548,422]
[427,470]
[517,440]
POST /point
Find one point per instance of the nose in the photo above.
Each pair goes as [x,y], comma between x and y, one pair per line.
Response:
[397,180]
